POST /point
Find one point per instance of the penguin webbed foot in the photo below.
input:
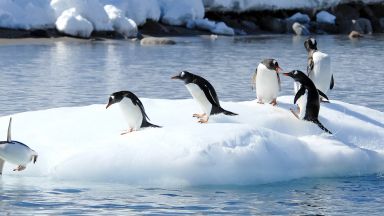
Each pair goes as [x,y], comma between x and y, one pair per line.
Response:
[129,130]
[260,101]
[199,115]
[20,168]
[273,102]
[203,120]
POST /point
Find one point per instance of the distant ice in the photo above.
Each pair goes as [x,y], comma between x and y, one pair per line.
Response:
[262,144]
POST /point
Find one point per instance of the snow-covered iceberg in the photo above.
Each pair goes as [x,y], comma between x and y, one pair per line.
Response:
[262,144]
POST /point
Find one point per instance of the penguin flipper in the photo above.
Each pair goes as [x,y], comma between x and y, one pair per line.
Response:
[332,82]
[210,95]
[9,139]
[322,94]
[279,81]
[136,101]
[254,80]
[299,94]
[321,126]
[1,166]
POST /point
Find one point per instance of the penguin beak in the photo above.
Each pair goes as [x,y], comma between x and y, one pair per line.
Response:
[288,74]
[109,104]
[278,69]
[176,77]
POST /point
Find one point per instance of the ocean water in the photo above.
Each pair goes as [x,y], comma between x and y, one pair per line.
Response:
[42,74]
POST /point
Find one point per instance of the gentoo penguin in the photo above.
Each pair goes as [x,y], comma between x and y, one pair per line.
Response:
[267,81]
[15,152]
[132,109]
[319,67]
[205,95]
[309,105]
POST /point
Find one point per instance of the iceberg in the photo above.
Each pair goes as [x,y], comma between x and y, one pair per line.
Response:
[262,144]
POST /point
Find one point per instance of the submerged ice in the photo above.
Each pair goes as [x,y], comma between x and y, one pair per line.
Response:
[262,144]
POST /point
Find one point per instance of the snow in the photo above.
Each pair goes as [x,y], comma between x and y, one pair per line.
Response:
[212,26]
[121,24]
[262,144]
[71,23]
[176,12]
[325,17]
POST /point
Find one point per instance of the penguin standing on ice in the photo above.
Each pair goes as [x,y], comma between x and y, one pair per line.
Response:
[132,109]
[319,67]
[309,105]
[205,95]
[267,81]
[15,152]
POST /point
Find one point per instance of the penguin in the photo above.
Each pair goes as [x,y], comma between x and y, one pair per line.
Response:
[15,152]
[309,105]
[204,94]
[132,109]
[267,81]
[319,67]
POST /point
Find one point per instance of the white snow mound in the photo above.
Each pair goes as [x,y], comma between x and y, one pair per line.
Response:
[71,23]
[121,24]
[262,144]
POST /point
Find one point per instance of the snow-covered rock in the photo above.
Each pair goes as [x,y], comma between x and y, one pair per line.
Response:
[325,17]
[299,17]
[92,10]
[120,23]
[262,144]
[178,12]
[212,26]
[72,23]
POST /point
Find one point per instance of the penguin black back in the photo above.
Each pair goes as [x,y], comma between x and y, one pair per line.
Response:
[207,88]
[313,99]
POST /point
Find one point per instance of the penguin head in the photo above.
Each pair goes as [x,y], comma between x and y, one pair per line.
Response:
[186,76]
[271,64]
[310,44]
[116,98]
[297,75]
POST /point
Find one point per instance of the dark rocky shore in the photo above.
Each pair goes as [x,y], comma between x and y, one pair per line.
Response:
[355,19]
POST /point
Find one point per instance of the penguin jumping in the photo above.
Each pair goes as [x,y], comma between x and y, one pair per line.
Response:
[267,81]
[309,105]
[132,109]
[15,152]
[205,95]
[319,67]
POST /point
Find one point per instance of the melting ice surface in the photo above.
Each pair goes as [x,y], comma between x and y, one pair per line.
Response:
[262,144]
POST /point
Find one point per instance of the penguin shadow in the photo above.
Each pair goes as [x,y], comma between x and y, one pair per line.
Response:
[357,115]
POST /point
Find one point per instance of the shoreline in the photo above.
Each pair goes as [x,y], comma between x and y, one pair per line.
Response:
[353,18]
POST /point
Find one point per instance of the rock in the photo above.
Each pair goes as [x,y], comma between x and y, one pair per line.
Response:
[300,18]
[327,28]
[346,12]
[250,27]
[39,33]
[300,29]
[381,21]
[362,25]
[354,34]
[325,17]
[152,27]
[273,24]
[156,41]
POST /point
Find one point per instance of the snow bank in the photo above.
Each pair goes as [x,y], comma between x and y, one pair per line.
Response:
[263,144]
[121,24]
[177,12]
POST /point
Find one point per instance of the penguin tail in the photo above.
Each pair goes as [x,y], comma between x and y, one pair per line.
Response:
[226,112]
[321,126]
[148,124]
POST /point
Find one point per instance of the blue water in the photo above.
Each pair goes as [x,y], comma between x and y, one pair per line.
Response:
[42,74]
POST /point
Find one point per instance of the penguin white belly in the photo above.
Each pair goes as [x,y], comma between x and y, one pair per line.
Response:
[16,153]
[132,113]
[302,103]
[267,85]
[200,97]
[321,73]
